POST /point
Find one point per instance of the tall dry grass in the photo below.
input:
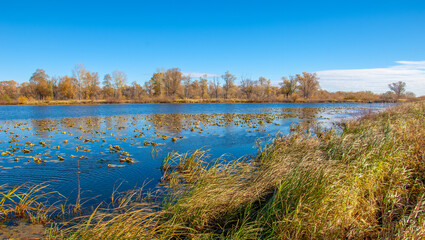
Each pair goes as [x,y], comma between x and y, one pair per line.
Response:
[26,201]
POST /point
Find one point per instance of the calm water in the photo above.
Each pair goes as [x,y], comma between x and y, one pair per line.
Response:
[71,145]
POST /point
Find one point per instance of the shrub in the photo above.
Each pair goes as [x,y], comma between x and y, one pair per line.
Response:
[23,100]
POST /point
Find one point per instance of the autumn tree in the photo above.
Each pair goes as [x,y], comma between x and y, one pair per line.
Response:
[308,83]
[148,88]
[43,86]
[54,82]
[195,89]
[119,80]
[137,90]
[9,89]
[172,81]
[288,86]
[389,96]
[91,84]
[134,91]
[27,89]
[156,84]
[265,88]
[107,89]
[203,84]
[399,88]
[259,87]
[67,87]
[229,84]
[247,87]
[187,80]
[86,82]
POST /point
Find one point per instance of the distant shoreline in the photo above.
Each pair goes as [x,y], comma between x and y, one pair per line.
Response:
[185,101]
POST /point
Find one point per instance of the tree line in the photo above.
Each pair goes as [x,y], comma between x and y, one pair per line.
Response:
[171,85]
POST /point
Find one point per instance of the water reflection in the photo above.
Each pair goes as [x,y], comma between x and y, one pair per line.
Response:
[168,123]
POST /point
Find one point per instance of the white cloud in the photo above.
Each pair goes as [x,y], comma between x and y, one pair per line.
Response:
[376,79]
[199,74]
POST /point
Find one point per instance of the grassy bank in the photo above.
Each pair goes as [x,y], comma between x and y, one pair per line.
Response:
[364,179]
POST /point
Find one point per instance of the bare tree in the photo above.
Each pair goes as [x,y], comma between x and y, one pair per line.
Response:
[78,73]
[215,84]
[399,88]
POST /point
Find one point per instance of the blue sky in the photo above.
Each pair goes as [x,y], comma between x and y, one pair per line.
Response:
[352,45]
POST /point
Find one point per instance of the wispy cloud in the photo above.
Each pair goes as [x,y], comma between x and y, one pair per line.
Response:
[376,79]
[200,74]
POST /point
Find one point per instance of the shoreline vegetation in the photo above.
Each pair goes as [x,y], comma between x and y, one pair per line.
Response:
[33,102]
[173,86]
[363,179]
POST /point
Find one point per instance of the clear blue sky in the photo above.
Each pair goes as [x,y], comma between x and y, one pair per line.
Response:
[249,38]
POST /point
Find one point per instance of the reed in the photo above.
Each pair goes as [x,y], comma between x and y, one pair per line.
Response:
[176,166]
[26,202]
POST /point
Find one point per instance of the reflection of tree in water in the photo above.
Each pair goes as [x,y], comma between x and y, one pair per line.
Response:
[135,120]
[69,123]
[108,122]
[171,123]
[43,127]
[308,118]
[121,123]
[306,112]
[84,125]
[90,124]
[227,121]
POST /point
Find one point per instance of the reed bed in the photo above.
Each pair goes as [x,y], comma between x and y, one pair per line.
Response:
[367,182]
